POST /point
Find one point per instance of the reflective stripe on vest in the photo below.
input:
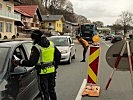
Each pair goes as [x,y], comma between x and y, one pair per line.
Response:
[47,70]
[84,41]
[47,57]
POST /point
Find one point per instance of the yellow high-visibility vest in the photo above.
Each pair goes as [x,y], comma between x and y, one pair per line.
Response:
[47,57]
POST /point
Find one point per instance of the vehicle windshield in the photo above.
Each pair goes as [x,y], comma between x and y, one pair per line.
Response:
[87,27]
[60,41]
[87,30]
[3,55]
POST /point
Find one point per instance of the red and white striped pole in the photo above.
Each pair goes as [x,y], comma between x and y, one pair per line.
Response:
[130,60]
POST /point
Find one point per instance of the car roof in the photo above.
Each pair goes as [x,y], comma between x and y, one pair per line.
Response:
[11,43]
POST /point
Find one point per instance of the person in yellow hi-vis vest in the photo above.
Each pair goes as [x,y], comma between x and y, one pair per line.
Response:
[85,45]
[46,57]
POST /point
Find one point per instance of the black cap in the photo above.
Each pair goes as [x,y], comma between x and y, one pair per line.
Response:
[36,34]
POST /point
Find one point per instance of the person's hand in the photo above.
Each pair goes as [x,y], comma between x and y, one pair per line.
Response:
[16,62]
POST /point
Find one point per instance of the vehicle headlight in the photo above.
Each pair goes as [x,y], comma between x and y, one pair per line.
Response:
[64,51]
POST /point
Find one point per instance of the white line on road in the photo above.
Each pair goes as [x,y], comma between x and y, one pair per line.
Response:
[79,95]
[106,44]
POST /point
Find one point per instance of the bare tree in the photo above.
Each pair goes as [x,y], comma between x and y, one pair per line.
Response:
[58,4]
[125,20]
[116,27]
[68,6]
[98,23]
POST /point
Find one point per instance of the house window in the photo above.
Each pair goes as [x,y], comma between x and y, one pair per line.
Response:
[50,24]
[67,26]
[32,24]
[1,26]
[8,27]
[0,6]
[8,8]
[37,25]
[8,13]
[25,23]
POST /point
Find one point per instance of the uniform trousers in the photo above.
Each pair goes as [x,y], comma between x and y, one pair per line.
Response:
[47,82]
[84,52]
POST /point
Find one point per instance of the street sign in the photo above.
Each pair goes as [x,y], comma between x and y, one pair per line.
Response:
[113,53]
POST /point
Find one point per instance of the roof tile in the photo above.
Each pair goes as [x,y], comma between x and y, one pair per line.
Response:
[28,10]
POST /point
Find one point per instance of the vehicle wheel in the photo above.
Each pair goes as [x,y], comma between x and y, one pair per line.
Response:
[70,60]
[73,56]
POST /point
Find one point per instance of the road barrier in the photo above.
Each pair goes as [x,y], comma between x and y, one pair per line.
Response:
[91,89]
[93,64]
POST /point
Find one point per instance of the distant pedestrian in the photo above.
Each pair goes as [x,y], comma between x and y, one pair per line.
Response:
[0,35]
[17,35]
[85,45]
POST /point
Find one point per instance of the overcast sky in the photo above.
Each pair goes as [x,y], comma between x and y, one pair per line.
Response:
[106,11]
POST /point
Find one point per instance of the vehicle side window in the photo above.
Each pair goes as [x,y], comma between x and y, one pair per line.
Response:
[28,47]
[19,52]
[70,41]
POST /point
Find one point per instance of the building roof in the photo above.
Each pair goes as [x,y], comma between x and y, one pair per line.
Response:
[52,17]
[28,10]
[71,23]
[21,12]
[19,1]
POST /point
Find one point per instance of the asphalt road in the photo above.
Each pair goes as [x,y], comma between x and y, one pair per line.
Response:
[71,76]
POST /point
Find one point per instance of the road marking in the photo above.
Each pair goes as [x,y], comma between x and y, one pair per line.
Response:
[106,44]
[79,95]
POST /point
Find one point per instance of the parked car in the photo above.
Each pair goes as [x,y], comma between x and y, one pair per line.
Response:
[116,38]
[67,34]
[66,46]
[55,33]
[17,83]
[108,37]
[101,35]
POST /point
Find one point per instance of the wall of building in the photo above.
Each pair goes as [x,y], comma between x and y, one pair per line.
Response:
[6,17]
[59,26]
[4,33]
